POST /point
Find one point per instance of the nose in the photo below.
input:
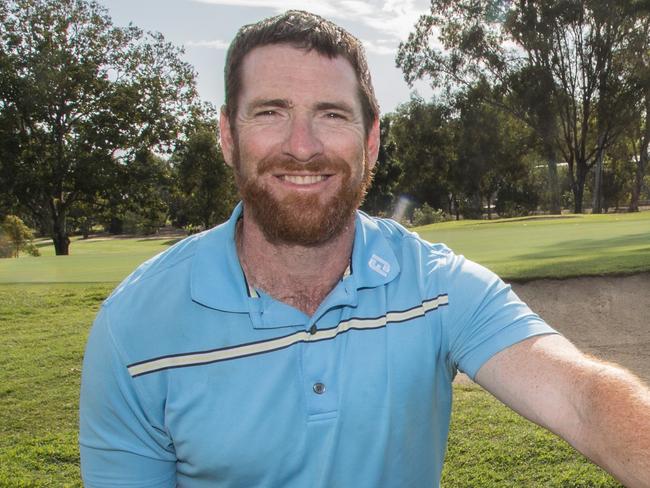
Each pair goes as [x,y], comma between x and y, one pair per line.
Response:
[302,142]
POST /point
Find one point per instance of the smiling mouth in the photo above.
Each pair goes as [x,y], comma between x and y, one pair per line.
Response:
[303,179]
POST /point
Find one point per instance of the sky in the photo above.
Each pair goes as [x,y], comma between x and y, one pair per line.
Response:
[206,27]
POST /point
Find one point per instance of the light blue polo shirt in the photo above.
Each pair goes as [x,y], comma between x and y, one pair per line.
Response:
[190,379]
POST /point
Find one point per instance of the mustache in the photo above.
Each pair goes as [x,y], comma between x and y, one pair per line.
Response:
[318,165]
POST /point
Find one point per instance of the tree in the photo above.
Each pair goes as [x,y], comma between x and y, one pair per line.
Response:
[18,235]
[573,92]
[388,172]
[424,144]
[206,192]
[636,59]
[79,100]
[491,149]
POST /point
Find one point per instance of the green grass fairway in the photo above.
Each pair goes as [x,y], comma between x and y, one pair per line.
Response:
[91,260]
[539,247]
[520,249]
[43,329]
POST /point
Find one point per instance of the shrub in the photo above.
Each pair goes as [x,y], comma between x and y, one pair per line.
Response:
[16,237]
[517,200]
[428,215]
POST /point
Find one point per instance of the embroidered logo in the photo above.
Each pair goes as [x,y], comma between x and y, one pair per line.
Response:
[379,265]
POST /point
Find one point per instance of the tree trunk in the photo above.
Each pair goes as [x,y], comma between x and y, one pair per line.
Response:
[636,187]
[579,190]
[555,205]
[642,163]
[60,234]
[597,199]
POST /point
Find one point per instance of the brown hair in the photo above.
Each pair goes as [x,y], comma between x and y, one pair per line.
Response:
[306,31]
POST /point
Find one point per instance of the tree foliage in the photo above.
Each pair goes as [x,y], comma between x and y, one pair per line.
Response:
[556,65]
[387,173]
[205,193]
[423,134]
[80,99]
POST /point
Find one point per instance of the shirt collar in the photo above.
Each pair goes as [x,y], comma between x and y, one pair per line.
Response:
[217,279]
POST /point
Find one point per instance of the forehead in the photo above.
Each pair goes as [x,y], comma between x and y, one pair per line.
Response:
[285,72]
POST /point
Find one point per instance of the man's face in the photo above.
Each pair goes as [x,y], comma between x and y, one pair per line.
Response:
[301,155]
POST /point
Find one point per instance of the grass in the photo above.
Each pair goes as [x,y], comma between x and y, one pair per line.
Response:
[43,329]
[90,260]
[516,249]
[491,446]
[529,248]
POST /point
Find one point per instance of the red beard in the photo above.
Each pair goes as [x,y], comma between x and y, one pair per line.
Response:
[301,219]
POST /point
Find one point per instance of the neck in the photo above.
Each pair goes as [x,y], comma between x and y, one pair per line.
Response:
[297,275]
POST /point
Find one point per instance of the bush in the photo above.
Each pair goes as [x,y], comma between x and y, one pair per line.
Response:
[16,237]
[428,215]
[6,249]
[517,200]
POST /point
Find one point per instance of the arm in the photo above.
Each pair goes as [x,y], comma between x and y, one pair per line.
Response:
[600,409]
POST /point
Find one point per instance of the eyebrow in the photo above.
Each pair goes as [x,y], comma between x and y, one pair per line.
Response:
[284,103]
[342,106]
[274,102]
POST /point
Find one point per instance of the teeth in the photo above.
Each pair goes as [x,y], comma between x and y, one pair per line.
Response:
[304,180]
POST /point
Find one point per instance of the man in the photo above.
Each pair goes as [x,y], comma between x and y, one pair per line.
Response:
[305,344]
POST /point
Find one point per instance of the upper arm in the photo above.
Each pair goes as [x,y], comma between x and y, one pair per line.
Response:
[484,316]
[120,443]
[542,378]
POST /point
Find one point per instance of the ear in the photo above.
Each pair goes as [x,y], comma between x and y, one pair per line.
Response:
[373,143]
[225,132]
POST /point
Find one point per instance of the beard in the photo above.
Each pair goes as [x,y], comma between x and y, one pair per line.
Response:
[297,219]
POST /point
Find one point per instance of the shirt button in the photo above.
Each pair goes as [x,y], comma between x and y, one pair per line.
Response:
[313,329]
[319,388]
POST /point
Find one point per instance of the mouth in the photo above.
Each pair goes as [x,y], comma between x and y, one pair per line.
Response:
[303,180]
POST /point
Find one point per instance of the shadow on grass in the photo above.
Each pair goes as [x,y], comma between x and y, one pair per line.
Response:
[168,242]
[529,218]
[637,261]
[572,247]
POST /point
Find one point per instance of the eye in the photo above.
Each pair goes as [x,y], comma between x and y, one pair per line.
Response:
[266,113]
[335,116]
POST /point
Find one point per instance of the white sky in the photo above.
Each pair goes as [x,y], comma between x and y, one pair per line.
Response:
[206,27]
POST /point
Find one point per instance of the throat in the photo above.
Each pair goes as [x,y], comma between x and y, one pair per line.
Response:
[307,301]
[298,276]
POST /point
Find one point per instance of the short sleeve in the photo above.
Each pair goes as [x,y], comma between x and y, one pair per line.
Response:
[484,316]
[120,444]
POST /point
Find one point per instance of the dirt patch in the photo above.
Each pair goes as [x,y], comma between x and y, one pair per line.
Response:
[608,317]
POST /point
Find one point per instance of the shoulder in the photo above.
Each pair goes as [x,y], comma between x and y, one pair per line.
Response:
[154,300]
[170,266]
[410,249]
[434,268]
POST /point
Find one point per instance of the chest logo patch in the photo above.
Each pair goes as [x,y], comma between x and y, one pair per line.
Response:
[379,265]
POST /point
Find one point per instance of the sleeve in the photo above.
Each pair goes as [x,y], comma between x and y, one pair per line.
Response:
[484,316]
[119,443]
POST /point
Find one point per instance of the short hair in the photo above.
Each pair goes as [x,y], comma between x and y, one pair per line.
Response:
[302,30]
